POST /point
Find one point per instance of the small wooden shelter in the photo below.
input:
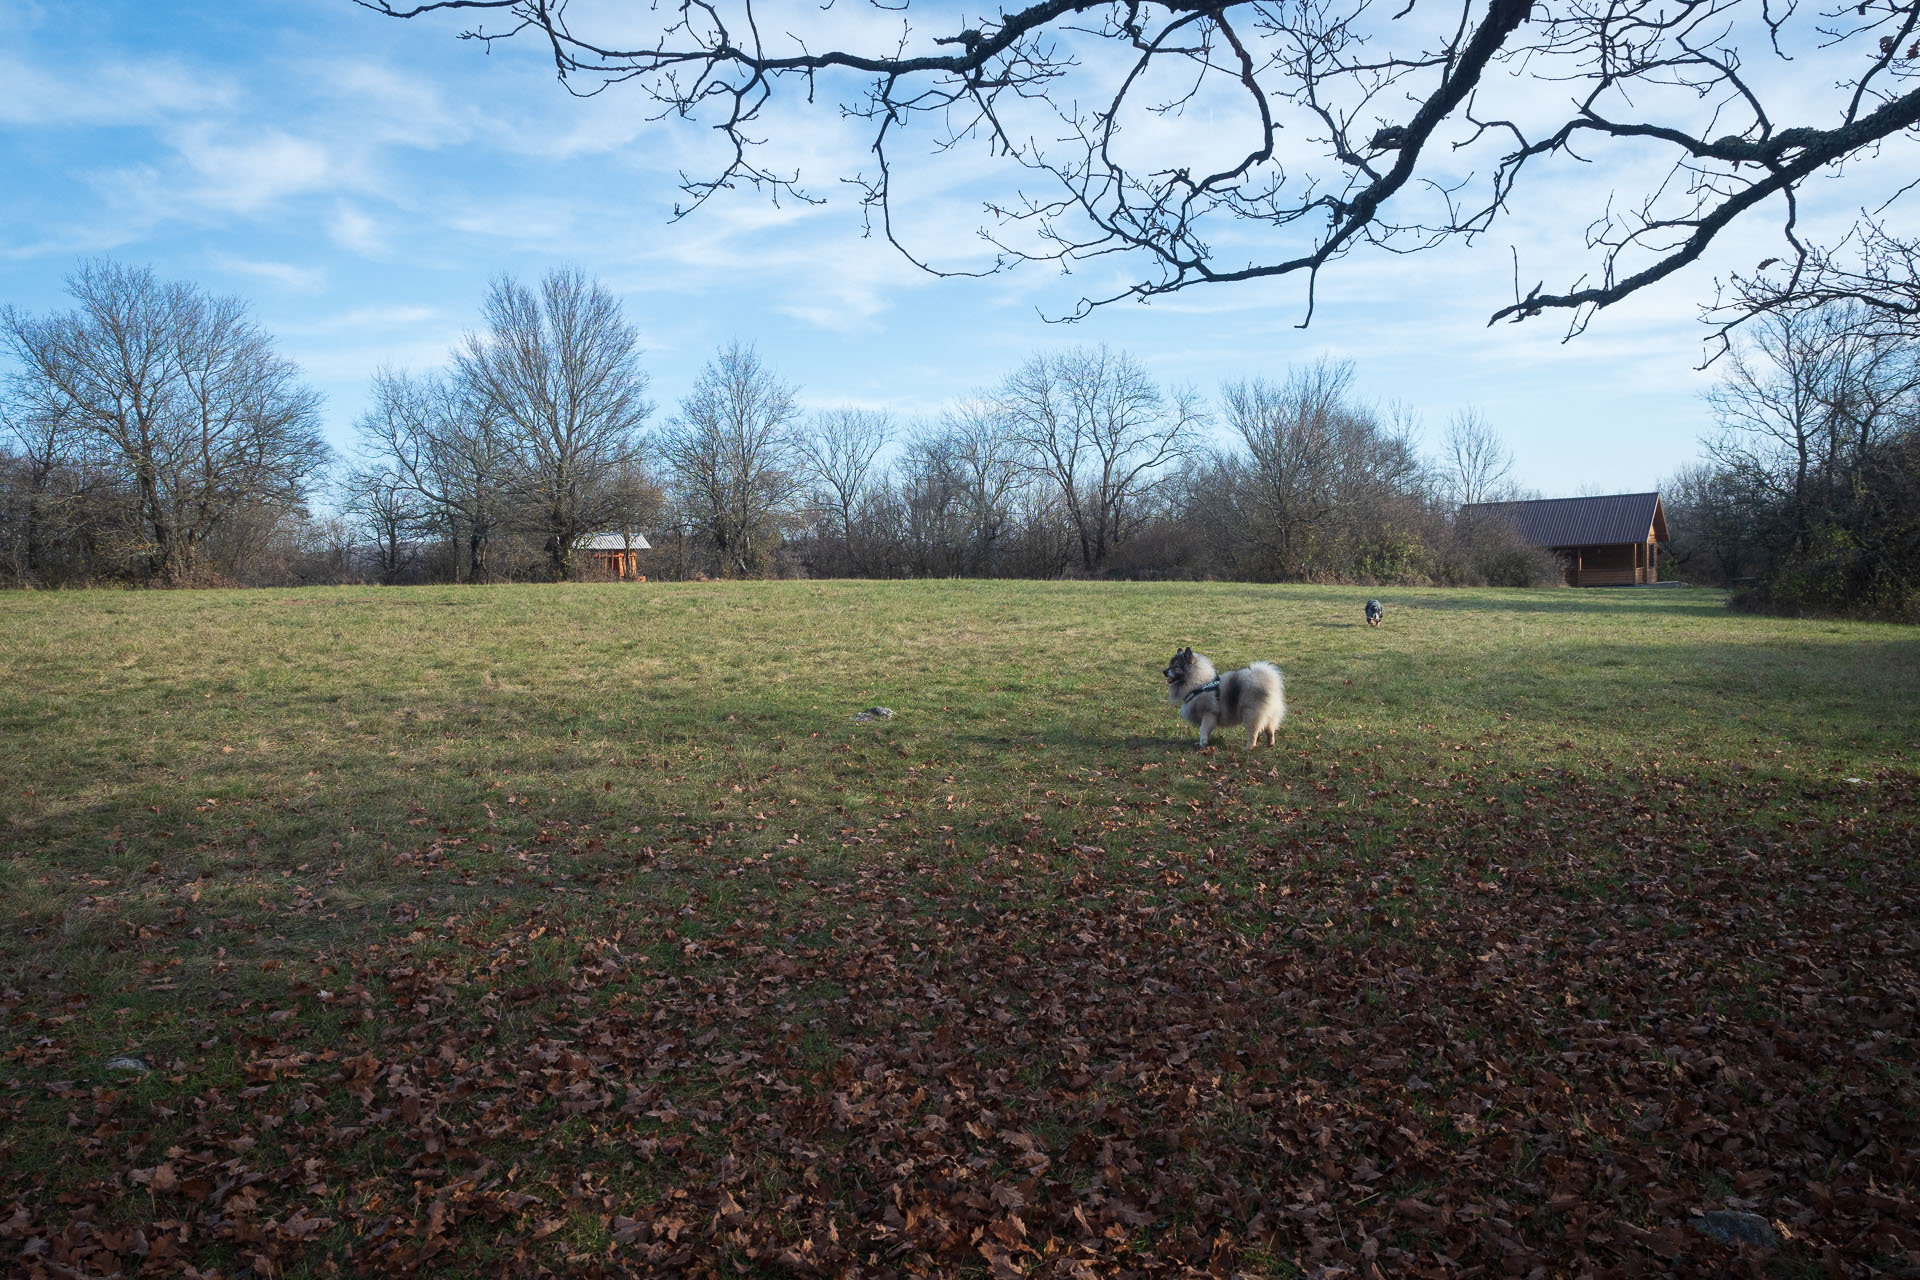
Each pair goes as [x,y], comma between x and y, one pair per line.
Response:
[1611,541]
[613,555]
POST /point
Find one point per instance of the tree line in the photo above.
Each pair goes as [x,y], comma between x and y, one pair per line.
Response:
[1808,499]
[156,436]
[1077,462]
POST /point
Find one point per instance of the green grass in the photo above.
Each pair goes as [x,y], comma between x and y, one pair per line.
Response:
[638,925]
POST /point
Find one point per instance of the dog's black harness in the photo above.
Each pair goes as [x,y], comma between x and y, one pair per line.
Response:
[1209,685]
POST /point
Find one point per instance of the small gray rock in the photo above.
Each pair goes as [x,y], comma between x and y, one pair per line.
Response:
[874,713]
[127,1064]
[1733,1227]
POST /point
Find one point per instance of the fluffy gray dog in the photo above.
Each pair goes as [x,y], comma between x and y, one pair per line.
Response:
[1253,696]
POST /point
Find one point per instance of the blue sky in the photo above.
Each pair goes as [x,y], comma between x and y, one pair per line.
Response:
[359,180]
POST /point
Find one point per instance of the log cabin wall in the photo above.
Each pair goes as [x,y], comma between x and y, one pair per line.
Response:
[1618,564]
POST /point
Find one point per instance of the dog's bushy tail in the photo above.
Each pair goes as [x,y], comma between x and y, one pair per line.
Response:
[1268,678]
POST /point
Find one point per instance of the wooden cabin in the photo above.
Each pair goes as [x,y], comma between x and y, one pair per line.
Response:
[1612,541]
[612,555]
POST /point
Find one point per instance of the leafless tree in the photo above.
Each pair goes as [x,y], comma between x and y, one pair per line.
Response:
[1815,481]
[985,456]
[932,507]
[630,498]
[959,484]
[1871,275]
[1771,401]
[1806,400]
[181,393]
[1716,518]
[1475,464]
[1318,469]
[46,448]
[732,457]
[838,456]
[445,447]
[389,513]
[559,374]
[1334,126]
[1094,423]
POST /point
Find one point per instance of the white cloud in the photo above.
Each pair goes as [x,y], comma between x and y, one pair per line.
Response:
[381,318]
[114,92]
[249,173]
[377,105]
[284,274]
[353,230]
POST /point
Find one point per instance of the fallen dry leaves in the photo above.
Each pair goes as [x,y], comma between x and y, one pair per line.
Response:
[1519,1048]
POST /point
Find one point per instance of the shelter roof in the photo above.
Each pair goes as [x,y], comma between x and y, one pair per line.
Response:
[1580,522]
[613,542]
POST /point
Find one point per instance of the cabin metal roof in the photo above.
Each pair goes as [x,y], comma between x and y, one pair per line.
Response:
[1579,522]
[613,542]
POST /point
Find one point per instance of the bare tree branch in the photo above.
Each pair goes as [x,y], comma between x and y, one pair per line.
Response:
[1330,127]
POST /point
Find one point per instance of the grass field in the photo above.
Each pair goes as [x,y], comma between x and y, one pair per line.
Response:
[581,930]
